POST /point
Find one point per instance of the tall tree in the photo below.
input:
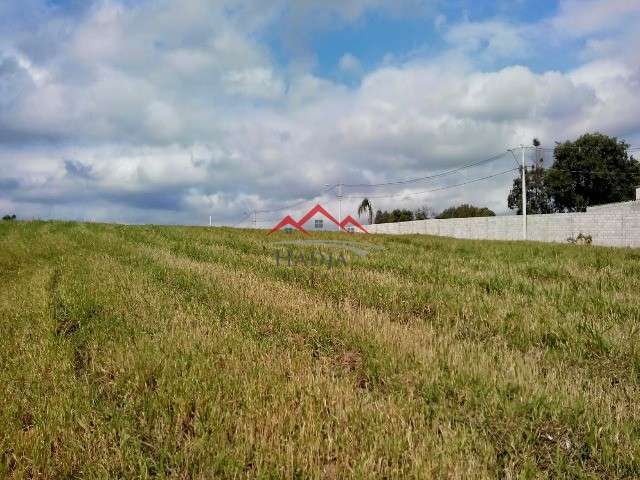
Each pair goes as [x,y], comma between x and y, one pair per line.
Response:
[366,207]
[538,200]
[593,170]
[424,213]
[382,217]
[537,154]
[402,215]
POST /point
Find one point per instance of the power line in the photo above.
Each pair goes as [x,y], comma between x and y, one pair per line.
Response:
[294,205]
[429,177]
[515,160]
[580,147]
[438,189]
[244,219]
[458,169]
[592,172]
[558,169]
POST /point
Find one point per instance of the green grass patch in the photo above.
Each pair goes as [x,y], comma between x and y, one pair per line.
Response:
[174,352]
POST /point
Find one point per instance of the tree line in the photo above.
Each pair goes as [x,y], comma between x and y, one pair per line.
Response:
[404,215]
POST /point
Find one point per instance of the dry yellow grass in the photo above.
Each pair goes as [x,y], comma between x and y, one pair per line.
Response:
[188,353]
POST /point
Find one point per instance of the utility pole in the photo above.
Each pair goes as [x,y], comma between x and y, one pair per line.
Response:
[254,218]
[524,196]
[340,203]
[339,193]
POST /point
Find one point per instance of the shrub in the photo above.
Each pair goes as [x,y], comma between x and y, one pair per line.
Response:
[581,239]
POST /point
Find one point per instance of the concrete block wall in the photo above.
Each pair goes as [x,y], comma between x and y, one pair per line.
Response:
[632,206]
[611,227]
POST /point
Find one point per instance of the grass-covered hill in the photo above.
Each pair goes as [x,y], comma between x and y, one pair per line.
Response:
[189,353]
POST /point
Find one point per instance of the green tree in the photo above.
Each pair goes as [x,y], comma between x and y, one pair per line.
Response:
[593,170]
[402,215]
[538,200]
[424,213]
[397,215]
[465,211]
[381,217]
[366,207]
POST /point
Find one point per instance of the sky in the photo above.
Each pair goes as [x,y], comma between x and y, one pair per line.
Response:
[172,111]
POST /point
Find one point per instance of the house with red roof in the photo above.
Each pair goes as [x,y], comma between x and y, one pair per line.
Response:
[351,225]
[286,223]
[318,219]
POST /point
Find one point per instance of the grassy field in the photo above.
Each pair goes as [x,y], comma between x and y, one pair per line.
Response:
[188,353]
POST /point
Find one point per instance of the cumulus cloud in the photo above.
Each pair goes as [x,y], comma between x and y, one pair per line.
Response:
[491,39]
[177,111]
[350,64]
[587,17]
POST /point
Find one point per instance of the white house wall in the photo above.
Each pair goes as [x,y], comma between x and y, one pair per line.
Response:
[328,225]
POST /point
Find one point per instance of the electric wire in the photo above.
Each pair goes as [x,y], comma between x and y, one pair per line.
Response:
[402,194]
[244,219]
[428,177]
[458,169]
[297,204]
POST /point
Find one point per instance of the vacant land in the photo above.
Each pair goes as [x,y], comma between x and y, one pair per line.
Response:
[187,352]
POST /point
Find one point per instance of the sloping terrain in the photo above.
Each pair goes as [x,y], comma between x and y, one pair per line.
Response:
[191,353]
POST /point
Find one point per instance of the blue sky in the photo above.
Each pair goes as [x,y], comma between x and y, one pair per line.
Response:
[169,111]
[378,35]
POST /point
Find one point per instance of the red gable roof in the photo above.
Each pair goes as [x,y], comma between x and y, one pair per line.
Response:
[350,220]
[317,209]
[288,221]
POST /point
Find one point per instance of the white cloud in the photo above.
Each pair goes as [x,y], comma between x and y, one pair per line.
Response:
[179,111]
[103,35]
[586,17]
[254,83]
[349,64]
[492,39]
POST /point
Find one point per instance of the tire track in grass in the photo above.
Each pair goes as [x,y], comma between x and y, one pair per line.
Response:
[367,286]
[475,336]
[224,273]
[280,294]
[272,292]
[479,338]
